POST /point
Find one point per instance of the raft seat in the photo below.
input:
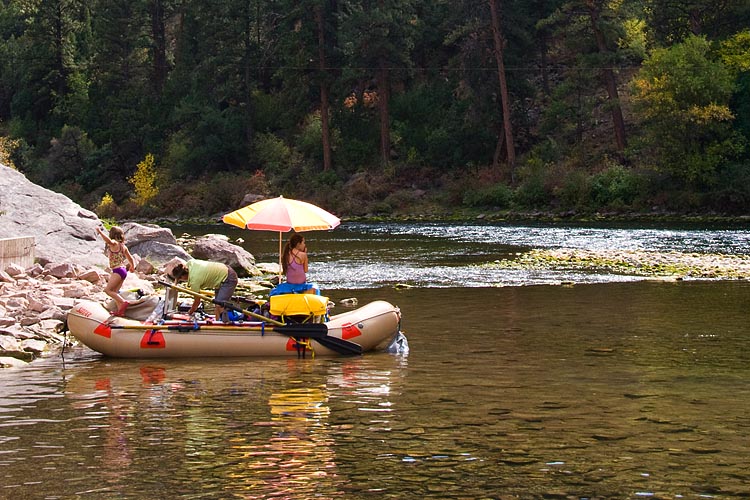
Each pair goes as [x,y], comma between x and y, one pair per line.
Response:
[299,307]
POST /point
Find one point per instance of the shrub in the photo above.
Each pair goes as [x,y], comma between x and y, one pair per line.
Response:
[497,195]
[144,181]
[8,147]
[615,187]
[275,155]
[106,207]
[732,193]
[532,189]
[67,157]
[575,191]
[310,140]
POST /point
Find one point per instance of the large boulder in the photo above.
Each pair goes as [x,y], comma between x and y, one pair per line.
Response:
[135,234]
[63,230]
[158,253]
[216,248]
[152,243]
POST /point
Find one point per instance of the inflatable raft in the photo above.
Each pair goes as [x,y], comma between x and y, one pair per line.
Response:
[371,327]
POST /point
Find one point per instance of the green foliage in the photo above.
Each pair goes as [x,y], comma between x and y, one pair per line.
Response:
[496,196]
[569,113]
[266,117]
[732,191]
[532,193]
[273,153]
[220,89]
[208,139]
[532,190]
[735,54]
[681,95]
[328,179]
[735,51]
[439,139]
[635,38]
[309,141]
[574,192]
[67,160]
[178,154]
[672,22]
[8,147]
[616,187]
[108,222]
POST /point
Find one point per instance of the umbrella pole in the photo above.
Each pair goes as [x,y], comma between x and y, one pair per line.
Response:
[280,268]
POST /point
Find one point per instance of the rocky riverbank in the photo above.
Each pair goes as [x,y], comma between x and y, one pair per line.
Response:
[34,303]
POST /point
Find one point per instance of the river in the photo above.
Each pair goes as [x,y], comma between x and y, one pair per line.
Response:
[518,384]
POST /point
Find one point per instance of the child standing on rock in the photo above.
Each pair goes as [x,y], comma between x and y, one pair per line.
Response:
[118,254]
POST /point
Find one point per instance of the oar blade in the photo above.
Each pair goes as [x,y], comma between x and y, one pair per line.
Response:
[309,330]
[319,333]
[340,346]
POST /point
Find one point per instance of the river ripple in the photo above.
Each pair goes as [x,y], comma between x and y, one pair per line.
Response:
[594,390]
[365,255]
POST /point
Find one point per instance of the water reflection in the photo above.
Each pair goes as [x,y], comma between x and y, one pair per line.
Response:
[253,429]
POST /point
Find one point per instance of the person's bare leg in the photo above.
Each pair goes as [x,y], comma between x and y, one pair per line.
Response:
[113,290]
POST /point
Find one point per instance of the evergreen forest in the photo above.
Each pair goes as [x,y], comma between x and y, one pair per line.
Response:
[153,108]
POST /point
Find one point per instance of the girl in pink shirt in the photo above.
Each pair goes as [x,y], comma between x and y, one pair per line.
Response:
[294,263]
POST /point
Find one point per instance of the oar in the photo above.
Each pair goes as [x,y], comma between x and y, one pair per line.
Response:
[341,346]
[317,331]
[226,305]
[309,330]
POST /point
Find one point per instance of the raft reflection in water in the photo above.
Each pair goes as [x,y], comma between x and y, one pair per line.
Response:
[262,426]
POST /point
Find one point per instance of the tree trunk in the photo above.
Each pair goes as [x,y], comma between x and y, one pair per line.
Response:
[61,80]
[608,74]
[499,47]
[498,150]
[160,45]
[696,27]
[385,131]
[324,127]
[248,76]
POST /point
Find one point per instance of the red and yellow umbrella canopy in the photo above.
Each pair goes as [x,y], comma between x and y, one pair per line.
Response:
[282,215]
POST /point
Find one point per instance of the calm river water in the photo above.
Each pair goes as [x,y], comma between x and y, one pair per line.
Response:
[515,386]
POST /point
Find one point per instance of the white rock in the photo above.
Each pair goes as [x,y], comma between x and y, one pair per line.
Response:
[64,303]
[54,325]
[34,345]
[52,314]
[14,270]
[91,275]
[39,305]
[8,362]
[62,270]
[9,343]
